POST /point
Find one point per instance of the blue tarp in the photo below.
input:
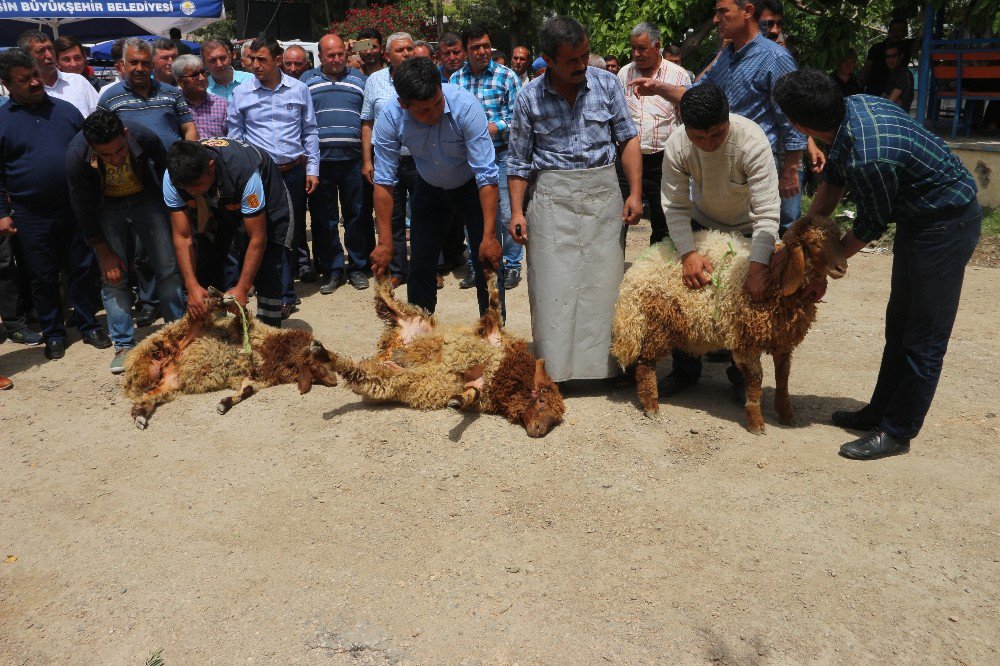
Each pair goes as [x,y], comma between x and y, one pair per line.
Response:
[102,51]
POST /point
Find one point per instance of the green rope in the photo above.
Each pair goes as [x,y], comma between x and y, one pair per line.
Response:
[717,278]
[246,328]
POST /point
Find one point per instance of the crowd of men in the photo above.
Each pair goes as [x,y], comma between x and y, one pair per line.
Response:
[187,173]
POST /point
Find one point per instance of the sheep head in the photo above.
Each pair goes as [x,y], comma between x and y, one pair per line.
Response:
[315,367]
[546,408]
[812,251]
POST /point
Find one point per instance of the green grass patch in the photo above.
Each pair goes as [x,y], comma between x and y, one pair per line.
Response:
[991,221]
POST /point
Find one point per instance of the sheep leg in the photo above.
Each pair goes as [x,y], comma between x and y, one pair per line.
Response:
[753,374]
[247,389]
[782,401]
[470,394]
[645,376]
[162,392]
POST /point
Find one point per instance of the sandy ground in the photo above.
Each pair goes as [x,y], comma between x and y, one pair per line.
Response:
[319,530]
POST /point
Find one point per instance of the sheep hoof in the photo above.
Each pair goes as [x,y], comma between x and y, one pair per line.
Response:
[455,403]
[652,414]
[757,431]
[141,422]
[222,407]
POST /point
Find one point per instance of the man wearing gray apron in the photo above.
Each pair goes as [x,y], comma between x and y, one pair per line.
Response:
[566,127]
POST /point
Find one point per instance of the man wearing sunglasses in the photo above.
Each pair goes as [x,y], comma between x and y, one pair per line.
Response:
[772,20]
[209,110]
[899,88]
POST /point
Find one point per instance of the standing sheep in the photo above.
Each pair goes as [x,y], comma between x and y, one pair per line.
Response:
[479,368]
[656,313]
[202,355]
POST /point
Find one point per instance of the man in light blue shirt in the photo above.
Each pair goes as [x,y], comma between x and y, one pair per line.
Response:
[275,112]
[446,131]
[218,56]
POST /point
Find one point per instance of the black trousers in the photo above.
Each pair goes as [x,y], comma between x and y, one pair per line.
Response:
[928,267]
[652,175]
[11,306]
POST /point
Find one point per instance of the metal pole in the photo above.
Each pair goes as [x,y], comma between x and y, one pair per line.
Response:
[924,73]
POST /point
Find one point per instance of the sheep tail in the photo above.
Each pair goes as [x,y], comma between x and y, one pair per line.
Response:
[627,331]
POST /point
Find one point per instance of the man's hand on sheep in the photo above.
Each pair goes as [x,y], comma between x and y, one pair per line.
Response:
[490,253]
[240,295]
[196,301]
[381,256]
[756,282]
[697,270]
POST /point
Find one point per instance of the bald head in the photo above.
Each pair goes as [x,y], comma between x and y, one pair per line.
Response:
[295,61]
[332,55]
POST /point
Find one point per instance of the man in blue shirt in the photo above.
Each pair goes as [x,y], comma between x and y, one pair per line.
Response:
[445,130]
[223,79]
[273,111]
[747,70]
[34,202]
[338,93]
[897,172]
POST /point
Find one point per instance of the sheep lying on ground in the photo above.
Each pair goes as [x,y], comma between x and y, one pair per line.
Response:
[479,368]
[656,313]
[198,356]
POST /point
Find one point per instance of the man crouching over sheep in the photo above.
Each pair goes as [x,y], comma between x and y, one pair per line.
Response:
[212,187]
[728,158]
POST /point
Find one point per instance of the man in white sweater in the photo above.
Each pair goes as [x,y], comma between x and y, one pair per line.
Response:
[728,160]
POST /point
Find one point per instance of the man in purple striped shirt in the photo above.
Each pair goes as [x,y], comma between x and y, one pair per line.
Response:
[209,110]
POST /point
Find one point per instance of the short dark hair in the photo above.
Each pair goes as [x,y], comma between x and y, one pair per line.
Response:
[28,37]
[560,30]
[163,44]
[117,49]
[774,6]
[417,79]
[610,57]
[672,49]
[68,43]
[704,107]
[740,4]
[272,46]
[175,33]
[215,43]
[371,33]
[473,31]
[15,58]
[497,53]
[187,161]
[101,127]
[450,38]
[810,98]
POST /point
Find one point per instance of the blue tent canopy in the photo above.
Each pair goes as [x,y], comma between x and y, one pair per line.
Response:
[102,51]
[93,20]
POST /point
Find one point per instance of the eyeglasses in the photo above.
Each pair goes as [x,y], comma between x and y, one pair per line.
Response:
[195,75]
[770,23]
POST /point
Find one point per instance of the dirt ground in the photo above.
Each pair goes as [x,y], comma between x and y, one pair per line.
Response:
[320,530]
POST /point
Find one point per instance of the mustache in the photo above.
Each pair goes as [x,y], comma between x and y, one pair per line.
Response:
[579,71]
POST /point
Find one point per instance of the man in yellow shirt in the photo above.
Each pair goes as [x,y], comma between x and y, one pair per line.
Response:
[115,175]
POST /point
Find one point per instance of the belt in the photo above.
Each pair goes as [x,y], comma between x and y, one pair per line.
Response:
[288,166]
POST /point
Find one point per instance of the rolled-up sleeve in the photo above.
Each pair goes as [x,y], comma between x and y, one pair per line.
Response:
[385,139]
[510,92]
[479,145]
[522,140]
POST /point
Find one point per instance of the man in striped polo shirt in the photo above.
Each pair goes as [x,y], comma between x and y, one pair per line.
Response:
[338,91]
[898,172]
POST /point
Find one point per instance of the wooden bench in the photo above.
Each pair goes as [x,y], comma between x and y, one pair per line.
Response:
[957,67]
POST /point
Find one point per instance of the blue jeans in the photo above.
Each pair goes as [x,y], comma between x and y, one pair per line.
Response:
[432,209]
[791,208]
[513,253]
[296,257]
[145,216]
[340,183]
[52,242]
[928,266]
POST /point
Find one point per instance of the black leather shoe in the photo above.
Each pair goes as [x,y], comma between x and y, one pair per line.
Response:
[331,285]
[468,282]
[512,279]
[358,280]
[55,348]
[287,309]
[97,339]
[307,275]
[674,383]
[859,420]
[874,445]
[146,316]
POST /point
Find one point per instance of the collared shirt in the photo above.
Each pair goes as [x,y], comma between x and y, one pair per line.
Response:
[378,91]
[226,91]
[338,105]
[733,188]
[495,87]
[76,90]
[748,77]
[546,133]
[894,167]
[447,155]
[33,144]
[164,111]
[210,116]
[281,121]
[524,78]
[654,117]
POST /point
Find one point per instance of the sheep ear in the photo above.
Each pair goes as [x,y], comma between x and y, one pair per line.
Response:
[305,378]
[795,268]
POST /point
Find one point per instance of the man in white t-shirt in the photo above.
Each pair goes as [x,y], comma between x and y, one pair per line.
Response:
[718,173]
[61,85]
[655,118]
